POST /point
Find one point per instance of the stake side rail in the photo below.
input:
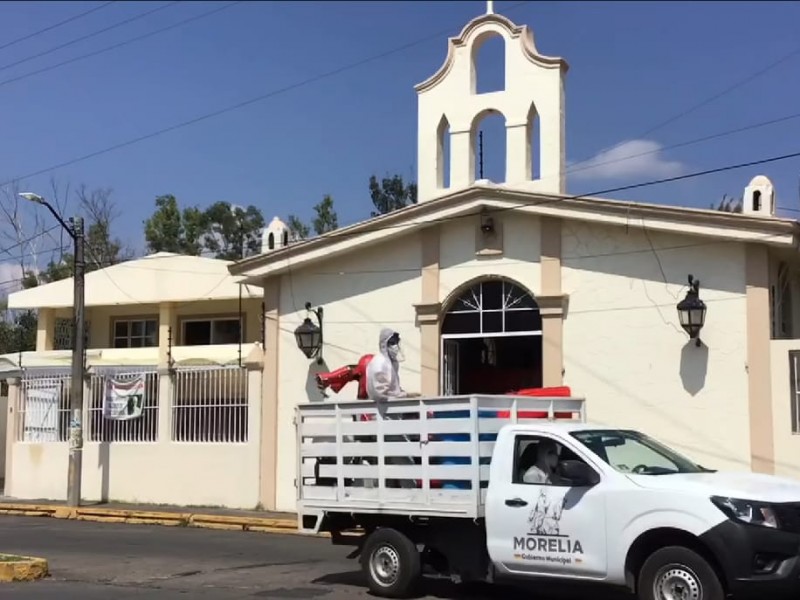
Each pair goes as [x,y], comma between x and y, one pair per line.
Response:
[415,456]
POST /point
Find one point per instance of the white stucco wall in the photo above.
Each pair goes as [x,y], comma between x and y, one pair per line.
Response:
[787,444]
[520,260]
[3,423]
[359,293]
[161,473]
[625,351]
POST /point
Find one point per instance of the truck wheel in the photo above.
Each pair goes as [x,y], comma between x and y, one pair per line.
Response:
[678,573]
[391,563]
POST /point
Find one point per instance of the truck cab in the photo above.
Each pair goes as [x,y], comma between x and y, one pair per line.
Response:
[547,498]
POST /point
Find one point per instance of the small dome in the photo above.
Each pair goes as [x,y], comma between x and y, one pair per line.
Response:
[760,180]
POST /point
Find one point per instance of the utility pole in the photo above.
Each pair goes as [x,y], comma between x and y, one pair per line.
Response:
[75,231]
[78,370]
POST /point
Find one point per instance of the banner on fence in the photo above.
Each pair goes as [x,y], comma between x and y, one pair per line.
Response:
[124,399]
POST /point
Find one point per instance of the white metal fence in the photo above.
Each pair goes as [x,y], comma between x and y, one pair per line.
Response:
[210,405]
[43,408]
[143,428]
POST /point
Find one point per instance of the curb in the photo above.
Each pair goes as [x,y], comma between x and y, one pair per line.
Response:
[167,519]
[27,569]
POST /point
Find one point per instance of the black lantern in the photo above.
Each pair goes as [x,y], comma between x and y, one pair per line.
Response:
[309,336]
[692,311]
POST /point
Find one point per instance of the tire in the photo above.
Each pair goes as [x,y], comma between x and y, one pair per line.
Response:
[682,567]
[391,563]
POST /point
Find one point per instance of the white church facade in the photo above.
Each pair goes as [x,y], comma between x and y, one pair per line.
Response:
[501,286]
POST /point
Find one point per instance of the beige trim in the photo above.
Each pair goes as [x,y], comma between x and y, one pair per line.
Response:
[14,389]
[166,320]
[45,329]
[428,312]
[710,224]
[551,302]
[759,370]
[269,395]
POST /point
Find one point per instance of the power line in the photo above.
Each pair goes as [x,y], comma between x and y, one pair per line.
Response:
[229,108]
[89,35]
[56,25]
[119,45]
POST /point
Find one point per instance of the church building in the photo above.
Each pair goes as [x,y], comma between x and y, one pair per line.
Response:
[496,286]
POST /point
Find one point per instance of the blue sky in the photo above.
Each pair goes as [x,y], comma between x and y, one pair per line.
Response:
[633,65]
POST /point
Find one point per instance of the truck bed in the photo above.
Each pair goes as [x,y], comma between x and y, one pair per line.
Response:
[416,456]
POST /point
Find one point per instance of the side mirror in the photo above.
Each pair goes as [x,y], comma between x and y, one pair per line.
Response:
[579,473]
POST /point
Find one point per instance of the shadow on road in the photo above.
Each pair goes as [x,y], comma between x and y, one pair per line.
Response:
[447,590]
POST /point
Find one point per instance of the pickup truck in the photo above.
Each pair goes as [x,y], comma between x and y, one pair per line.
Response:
[461,487]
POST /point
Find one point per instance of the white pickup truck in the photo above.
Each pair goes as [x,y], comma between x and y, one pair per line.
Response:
[450,485]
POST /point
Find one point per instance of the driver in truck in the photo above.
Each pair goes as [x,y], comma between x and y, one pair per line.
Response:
[544,469]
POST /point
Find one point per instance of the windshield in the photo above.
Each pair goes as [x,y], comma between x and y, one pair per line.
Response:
[634,452]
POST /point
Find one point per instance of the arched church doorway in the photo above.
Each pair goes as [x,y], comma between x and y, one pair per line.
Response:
[491,340]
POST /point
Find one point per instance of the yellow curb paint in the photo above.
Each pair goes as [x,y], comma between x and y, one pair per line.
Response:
[27,569]
[112,515]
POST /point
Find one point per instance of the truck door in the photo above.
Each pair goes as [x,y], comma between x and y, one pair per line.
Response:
[548,528]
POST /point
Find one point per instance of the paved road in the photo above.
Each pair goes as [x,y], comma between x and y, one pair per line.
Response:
[97,561]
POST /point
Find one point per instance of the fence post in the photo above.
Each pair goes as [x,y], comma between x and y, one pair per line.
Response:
[13,427]
[166,389]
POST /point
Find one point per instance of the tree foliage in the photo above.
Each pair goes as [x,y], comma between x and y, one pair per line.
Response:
[223,230]
[325,220]
[391,194]
[729,204]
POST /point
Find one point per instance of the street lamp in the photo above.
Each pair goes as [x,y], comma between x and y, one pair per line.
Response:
[309,336]
[75,231]
[692,311]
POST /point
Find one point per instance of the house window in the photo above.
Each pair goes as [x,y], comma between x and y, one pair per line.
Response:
[206,332]
[136,333]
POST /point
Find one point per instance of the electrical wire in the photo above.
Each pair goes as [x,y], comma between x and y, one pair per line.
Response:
[88,35]
[56,25]
[230,108]
[118,45]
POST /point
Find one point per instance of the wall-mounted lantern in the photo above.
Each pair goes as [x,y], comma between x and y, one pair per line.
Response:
[309,336]
[692,311]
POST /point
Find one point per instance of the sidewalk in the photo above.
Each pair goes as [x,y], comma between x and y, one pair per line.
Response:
[176,516]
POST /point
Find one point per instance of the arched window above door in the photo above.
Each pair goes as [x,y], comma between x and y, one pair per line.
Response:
[494,306]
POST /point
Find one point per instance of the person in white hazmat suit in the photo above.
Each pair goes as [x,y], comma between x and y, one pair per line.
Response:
[383,384]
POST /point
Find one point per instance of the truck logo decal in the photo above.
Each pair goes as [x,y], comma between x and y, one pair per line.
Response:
[544,540]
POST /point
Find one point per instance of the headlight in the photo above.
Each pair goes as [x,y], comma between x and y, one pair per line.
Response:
[747,511]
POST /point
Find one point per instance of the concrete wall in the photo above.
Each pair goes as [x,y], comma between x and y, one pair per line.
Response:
[360,294]
[625,351]
[158,473]
[786,443]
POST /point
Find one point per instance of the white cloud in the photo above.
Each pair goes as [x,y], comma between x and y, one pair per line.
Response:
[626,160]
[10,275]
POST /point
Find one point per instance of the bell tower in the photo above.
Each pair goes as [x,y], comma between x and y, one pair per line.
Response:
[448,105]
[274,236]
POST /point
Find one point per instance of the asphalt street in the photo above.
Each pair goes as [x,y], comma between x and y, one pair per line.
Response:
[98,561]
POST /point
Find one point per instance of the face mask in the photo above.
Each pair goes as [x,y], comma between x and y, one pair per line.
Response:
[396,353]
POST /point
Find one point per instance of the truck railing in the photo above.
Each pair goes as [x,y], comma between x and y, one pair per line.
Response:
[416,455]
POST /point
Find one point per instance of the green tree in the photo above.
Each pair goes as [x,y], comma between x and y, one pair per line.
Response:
[170,230]
[232,232]
[326,218]
[297,229]
[728,204]
[391,194]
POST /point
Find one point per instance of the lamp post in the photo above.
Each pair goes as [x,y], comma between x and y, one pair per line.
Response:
[75,231]
[309,336]
[692,311]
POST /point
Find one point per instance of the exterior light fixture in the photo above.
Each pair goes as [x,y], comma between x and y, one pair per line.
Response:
[692,311]
[309,336]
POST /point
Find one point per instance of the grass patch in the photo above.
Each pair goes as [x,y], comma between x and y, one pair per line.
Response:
[11,558]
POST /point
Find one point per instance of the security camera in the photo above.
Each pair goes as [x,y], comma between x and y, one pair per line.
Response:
[487,224]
